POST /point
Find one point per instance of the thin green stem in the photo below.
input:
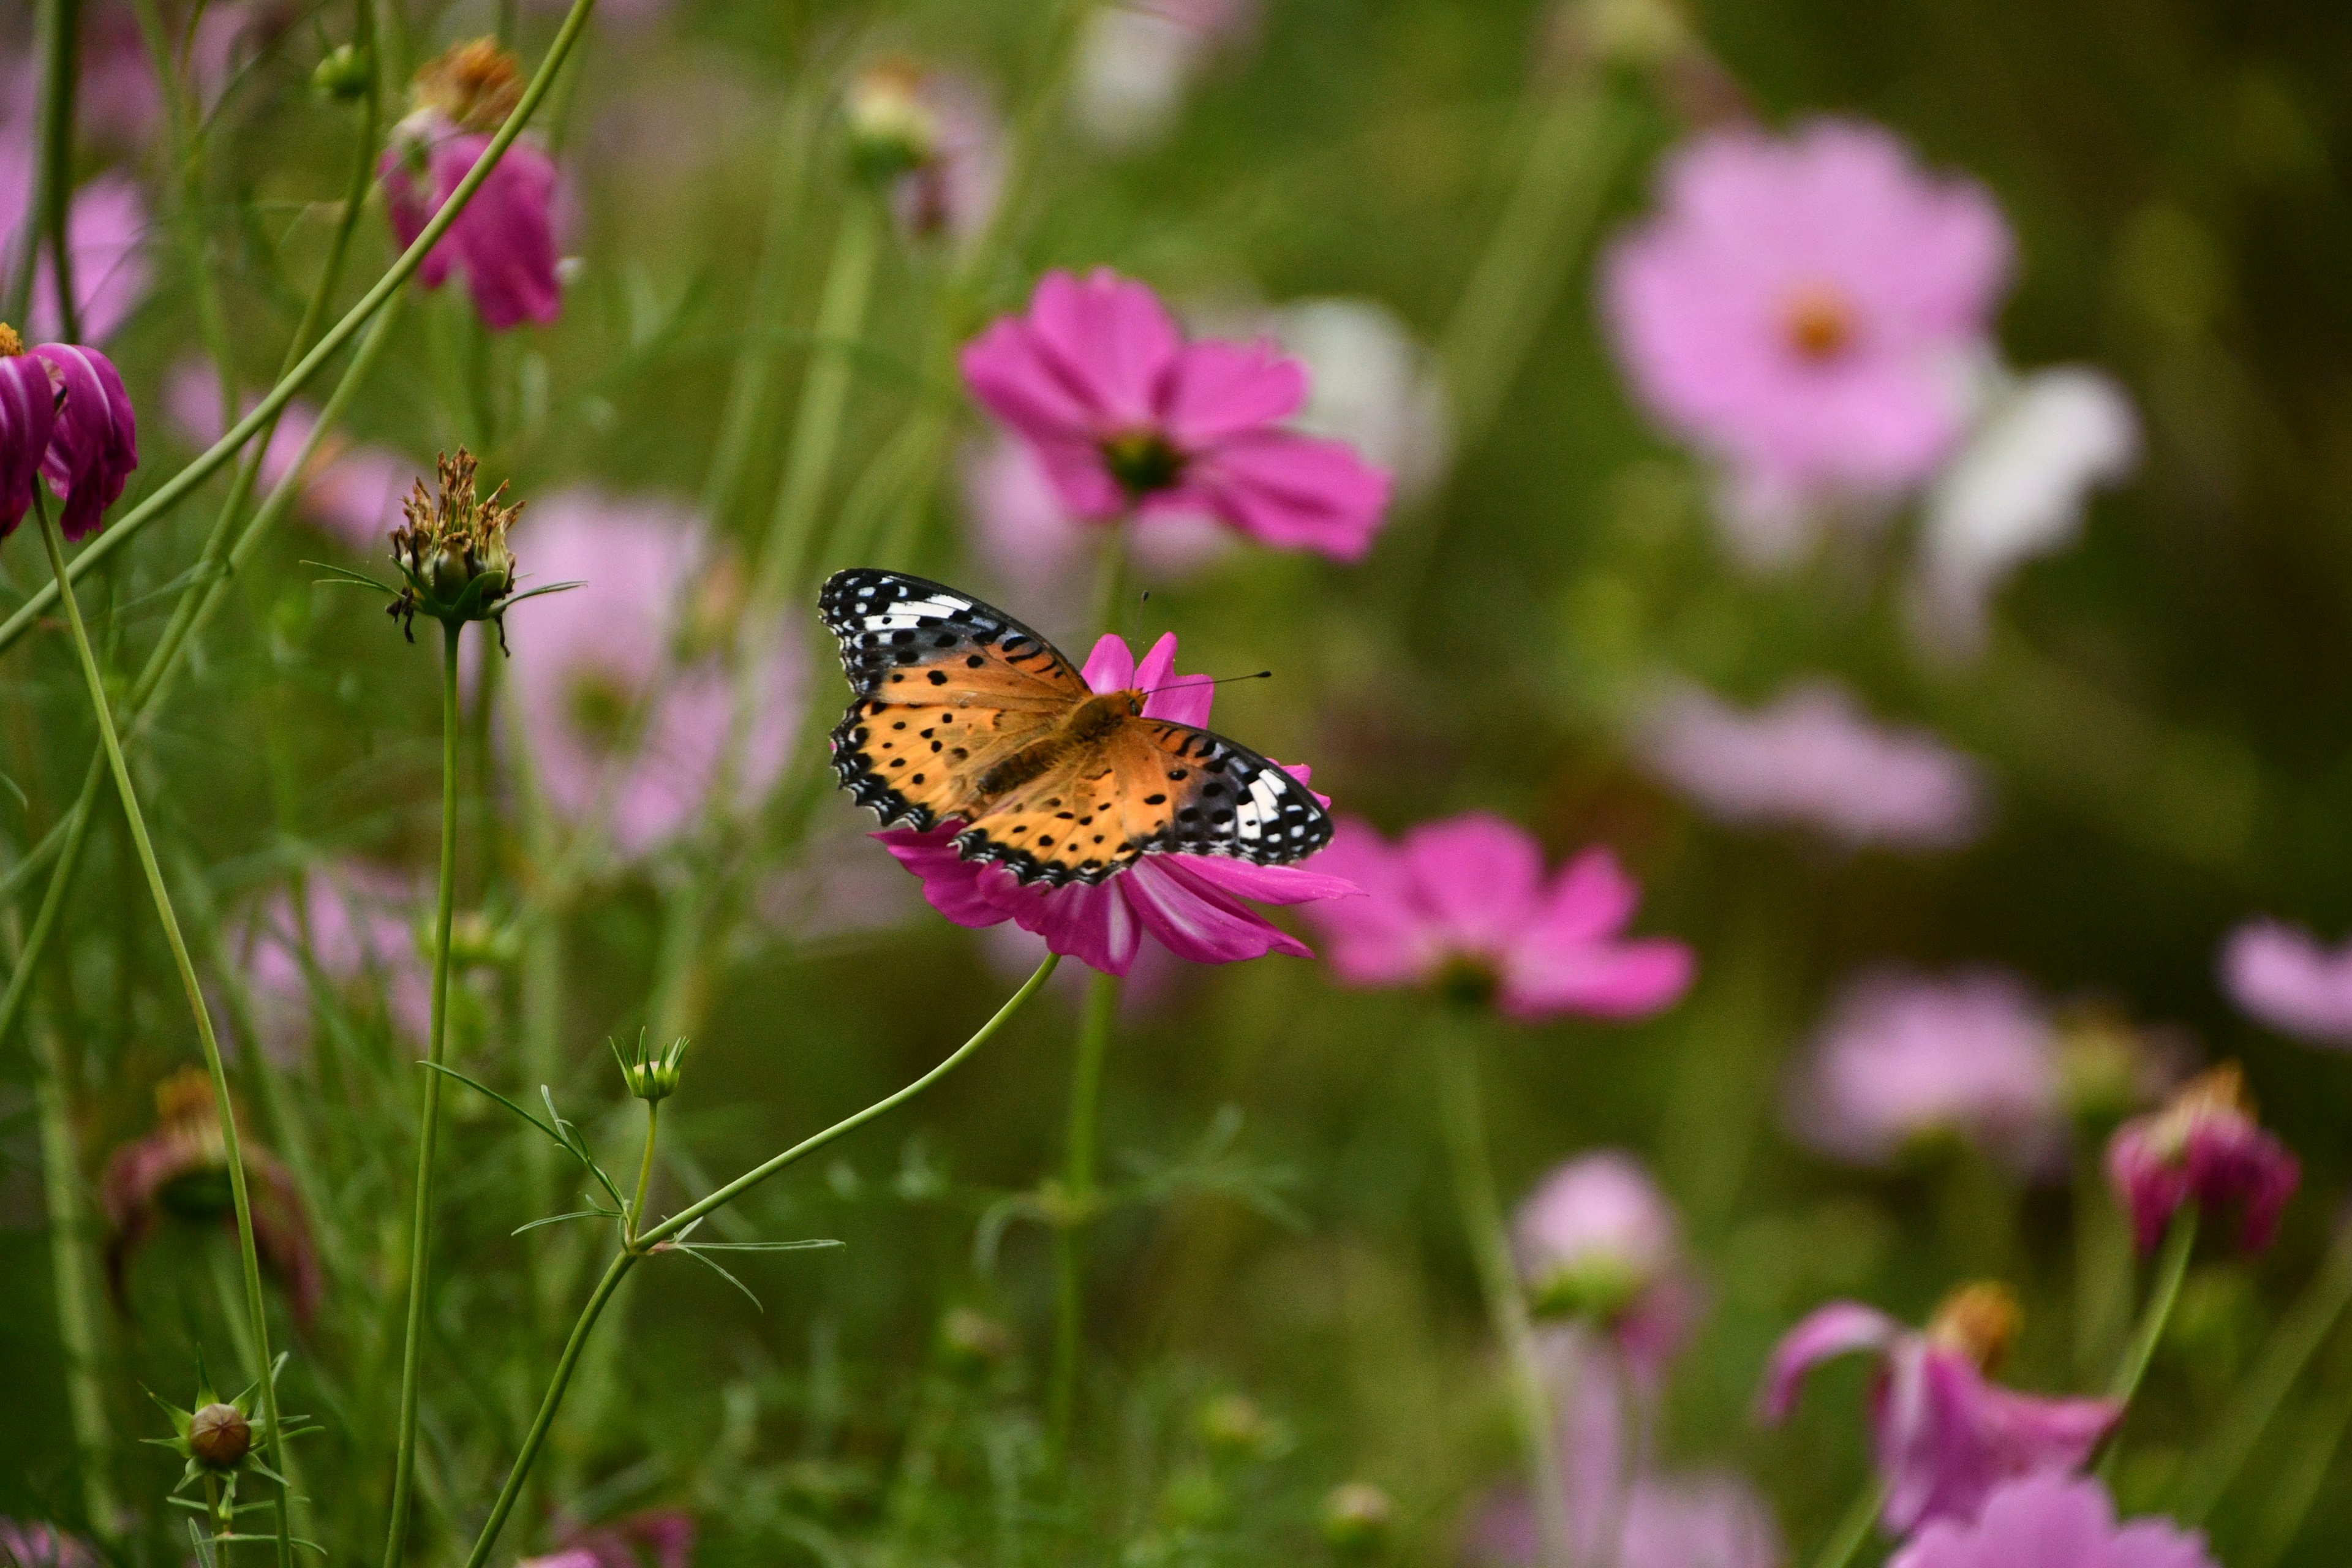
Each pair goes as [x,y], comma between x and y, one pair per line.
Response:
[170,493]
[62,67]
[2102,1265]
[651,1241]
[80,1321]
[183,143]
[1855,1530]
[1482,1220]
[645,1169]
[57,45]
[420,1223]
[746,385]
[2164,1293]
[1077,1197]
[232,1148]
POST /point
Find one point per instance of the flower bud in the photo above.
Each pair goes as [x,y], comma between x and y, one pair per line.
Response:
[219,1435]
[2204,1147]
[343,73]
[1233,1427]
[654,1075]
[891,131]
[1358,1519]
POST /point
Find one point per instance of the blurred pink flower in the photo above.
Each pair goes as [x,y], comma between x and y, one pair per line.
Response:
[2204,1147]
[28,416]
[1806,309]
[349,925]
[1128,418]
[38,1544]
[1946,1436]
[351,491]
[1904,1060]
[2287,978]
[1598,1240]
[94,445]
[1191,904]
[1812,758]
[655,1538]
[1465,898]
[1137,59]
[621,725]
[2053,1522]
[106,225]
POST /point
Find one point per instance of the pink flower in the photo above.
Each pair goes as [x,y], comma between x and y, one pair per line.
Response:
[1946,1436]
[505,239]
[622,726]
[1191,904]
[1466,897]
[41,1545]
[106,225]
[934,140]
[2285,977]
[2205,1147]
[28,414]
[1597,1239]
[1128,418]
[1905,1059]
[656,1538]
[1811,758]
[1805,309]
[94,445]
[2053,1522]
[351,491]
[348,926]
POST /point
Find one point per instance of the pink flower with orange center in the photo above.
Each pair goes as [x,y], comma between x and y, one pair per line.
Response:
[2204,1147]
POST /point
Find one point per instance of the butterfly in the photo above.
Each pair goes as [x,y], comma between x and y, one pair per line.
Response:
[962,714]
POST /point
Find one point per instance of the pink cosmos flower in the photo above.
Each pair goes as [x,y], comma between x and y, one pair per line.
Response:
[1467,897]
[1191,904]
[1128,418]
[1805,309]
[1905,1059]
[350,491]
[1598,1240]
[622,684]
[29,416]
[2053,1522]
[1812,758]
[350,927]
[505,239]
[2205,1147]
[2287,978]
[92,444]
[38,1544]
[1946,1436]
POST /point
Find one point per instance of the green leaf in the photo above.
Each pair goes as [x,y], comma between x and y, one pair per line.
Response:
[502,1099]
[560,1218]
[696,1253]
[763,1245]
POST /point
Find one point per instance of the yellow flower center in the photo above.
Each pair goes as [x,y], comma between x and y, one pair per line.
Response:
[1820,322]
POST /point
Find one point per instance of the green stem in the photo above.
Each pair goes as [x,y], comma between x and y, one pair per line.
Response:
[1482,1219]
[183,143]
[170,493]
[78,1319]
[257,1308]
[746,385]
[2102,1265]
[2264,1388]
[1078,1198]
[420,1223]
[1855,1528]
[645,1169]
[62,60]
[2171,1269]
[651,1240]
[57,45]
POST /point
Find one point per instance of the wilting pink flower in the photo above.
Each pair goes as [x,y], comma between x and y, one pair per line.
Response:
[181,1171]
[1806,309]
[934,140]
[623,684]
[1465,899]
[1128,418]
[2205,1147]
[505,239]
[1598,1240]
[94,445]
[1191,904]
[106,224]
[28,413]
[1946,1436]
[1905,1059]
[37,1544]
[350,490]
[351,928]
[1137,59]
[1812,758]
[2053,1522]
[2287,978]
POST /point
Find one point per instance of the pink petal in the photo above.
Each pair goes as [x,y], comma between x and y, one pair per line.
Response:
[1222,389]
[1383,938]
[1112,666]
[951,884]
[1607,980]
[1196,920]
[1478,876]
[1110,337]
[1291,491]
[1094,925]
[1838,1328]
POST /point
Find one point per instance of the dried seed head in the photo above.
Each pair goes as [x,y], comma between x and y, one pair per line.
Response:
[451,546]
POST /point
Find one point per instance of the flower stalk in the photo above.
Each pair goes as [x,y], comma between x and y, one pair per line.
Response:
[1075,1208]
[1854,1530]
[2171,1269]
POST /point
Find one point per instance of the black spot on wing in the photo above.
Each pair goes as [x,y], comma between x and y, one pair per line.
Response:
[886,621]
[1230,801]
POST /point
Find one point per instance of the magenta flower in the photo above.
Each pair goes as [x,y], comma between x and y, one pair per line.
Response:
[1805,309]
[1811,758]
[1465,899]
[2287,978]
[94,443]
[350,491]
[28,414]
[1905,1060]
[655,1538]
[348,927]
[623,684]
[1946,1436]
[37,1544]
[2053,1522]
[1191,904]
[1128,418]
[2205,1147]
[505,239]
[1598,1240]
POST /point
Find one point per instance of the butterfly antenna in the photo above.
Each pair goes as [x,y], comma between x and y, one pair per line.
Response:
[1180,682]
[1135,617]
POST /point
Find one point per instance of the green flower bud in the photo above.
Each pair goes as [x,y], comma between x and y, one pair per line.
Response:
[652,1076]
[1358,1519]
[343,74]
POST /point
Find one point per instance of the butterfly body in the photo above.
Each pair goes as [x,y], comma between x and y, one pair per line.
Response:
[962,714]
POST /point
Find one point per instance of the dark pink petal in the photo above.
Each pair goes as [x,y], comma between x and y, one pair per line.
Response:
[28,412]
[2232,1161]
[409,205]
[1007,371]
[94,445]
[1838,1328]
[1947,1437]
[1094,925]
[1291,491]
[950,883]
[506,237]
[1222,389]
[1266,884]
[2151,1185]
[1154,670]
[1195,920]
